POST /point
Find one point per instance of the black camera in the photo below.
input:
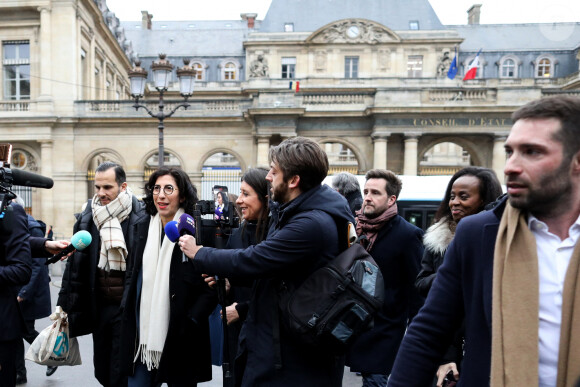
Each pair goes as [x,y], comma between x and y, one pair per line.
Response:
[215,220]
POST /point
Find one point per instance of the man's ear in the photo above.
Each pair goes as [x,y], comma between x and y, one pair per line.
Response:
[392,200]
[576,163]
[294,181]
[124,186]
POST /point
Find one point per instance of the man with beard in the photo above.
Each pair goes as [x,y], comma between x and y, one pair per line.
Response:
[93,280]
[303,237]
[397,247]
[513,272]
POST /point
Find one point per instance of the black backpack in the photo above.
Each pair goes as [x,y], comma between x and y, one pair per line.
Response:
[336,303]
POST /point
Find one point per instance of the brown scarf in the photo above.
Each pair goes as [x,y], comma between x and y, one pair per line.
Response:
[515,309]
[370,226]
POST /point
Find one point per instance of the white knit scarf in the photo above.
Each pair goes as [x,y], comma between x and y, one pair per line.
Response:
[154,310]
[108,220]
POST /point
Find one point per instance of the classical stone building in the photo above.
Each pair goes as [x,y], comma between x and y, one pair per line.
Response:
[372,75]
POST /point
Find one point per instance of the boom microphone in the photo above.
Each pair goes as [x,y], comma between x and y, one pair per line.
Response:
[29,179]
[79,242]
[171,231]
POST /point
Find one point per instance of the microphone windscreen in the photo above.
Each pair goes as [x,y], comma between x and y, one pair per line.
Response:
[29,179]
[171,231]
[81,240]
[186,225]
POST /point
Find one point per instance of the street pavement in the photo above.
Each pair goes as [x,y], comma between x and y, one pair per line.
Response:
[82,375]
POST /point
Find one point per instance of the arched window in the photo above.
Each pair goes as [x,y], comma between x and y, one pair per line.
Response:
[509,68]
[340,158]
[200,71]
[544,69]
[444,158]
[230,71]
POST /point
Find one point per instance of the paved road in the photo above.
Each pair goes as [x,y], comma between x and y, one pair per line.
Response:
[82,375]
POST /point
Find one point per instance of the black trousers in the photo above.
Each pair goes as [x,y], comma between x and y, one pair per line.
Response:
[106,347]
[29,335]
[8,362]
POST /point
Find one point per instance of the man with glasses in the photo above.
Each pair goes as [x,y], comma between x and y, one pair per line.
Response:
[92,284]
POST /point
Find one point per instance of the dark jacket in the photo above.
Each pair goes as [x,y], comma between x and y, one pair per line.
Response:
[36,294]
[78,295]
[303,236]
[186,354]
[15,270]
[462,288]
[397,250]
[355,201]
[436,241]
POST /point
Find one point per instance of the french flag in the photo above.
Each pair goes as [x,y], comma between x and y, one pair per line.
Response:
[295,86]
[472,69]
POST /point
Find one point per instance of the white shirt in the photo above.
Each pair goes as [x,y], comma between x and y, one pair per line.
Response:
[553,259]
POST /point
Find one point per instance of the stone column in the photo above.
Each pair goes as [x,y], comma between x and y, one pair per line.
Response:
[263,150]
[195,178]
[410,163]
[47,202]
[498,156]
[380,151]
[44,66]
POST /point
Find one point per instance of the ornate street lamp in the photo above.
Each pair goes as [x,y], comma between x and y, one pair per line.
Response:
[161,76]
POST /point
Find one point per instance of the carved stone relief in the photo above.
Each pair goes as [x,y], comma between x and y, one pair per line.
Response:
[354,31]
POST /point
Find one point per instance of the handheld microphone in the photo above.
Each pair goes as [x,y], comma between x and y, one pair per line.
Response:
[171,231]
[29,179]
[79,242]
[186,225]
[219,213]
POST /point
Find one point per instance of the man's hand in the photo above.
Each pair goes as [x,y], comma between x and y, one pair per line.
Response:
[443,370]
[55,247]
[188,246]
[232,313]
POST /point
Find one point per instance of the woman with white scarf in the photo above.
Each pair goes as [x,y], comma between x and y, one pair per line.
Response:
[468,192]
[165,336]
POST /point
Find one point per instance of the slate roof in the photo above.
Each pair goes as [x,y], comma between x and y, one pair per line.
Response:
[310,15]
[519,37]
[221,38]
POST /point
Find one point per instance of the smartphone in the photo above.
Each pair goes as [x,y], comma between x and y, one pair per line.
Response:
[449,380]
[5,154]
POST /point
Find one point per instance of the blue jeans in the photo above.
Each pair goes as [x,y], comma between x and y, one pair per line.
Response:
[374,380]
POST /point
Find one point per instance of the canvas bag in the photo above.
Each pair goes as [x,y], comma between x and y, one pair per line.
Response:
[337,302]
[53,346]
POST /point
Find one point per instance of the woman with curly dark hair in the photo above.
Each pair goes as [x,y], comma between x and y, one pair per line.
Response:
[166,304]
[468,192]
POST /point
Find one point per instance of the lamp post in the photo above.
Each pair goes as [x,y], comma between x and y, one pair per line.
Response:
[161,76]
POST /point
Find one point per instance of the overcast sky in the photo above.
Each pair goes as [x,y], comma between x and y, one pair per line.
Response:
[448,11]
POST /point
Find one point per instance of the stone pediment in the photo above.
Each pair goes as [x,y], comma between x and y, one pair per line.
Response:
[353,31]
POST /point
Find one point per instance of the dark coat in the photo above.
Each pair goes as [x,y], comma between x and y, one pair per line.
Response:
[303,237]
[15,270]
[78,296]
[186,354]
[462,288]
[397,250]
[36,294]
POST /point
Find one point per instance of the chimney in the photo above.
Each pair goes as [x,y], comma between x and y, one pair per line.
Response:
[473,14]
[146,20]
[250,18]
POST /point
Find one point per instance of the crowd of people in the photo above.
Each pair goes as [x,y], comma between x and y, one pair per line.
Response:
[487,296]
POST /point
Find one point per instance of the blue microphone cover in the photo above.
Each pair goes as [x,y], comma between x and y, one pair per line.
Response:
[81,240]
[171,231]
[186,225]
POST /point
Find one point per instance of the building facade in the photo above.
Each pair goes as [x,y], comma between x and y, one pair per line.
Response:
[372,88]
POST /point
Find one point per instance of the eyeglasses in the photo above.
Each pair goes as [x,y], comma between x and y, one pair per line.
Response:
[167,190]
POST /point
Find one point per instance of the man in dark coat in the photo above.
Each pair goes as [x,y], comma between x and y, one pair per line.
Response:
[34,299]
[532,337]
[347,185]
[302,238]
[15,271]
[93,280]
[397,247]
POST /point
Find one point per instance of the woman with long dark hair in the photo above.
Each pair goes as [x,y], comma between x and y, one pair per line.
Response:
[253,205]
[468,192]
[166,304]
